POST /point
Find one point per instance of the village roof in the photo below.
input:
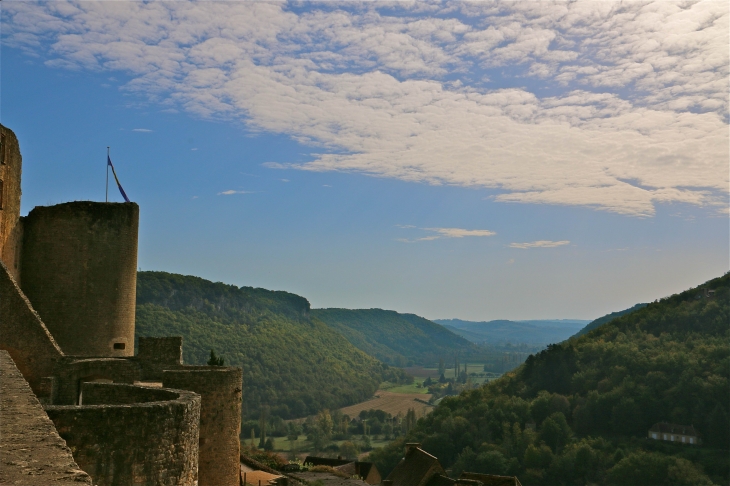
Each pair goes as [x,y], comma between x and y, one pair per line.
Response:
[363,468]
[415,469]
[492,479]
[665,428]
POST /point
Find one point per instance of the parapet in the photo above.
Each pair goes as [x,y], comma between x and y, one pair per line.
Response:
[32,451]
[79,269]
[220,419]
[72,372]
[128,434]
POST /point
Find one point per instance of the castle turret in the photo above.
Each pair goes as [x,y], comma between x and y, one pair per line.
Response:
[79,270]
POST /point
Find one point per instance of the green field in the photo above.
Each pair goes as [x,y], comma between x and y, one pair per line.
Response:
[421,373]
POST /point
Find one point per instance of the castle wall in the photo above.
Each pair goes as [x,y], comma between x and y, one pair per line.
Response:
[31,451]
[102,394]
[156,354]
[71,373]
[24,336]
[141,444]
[220,419]
[10,228]
[79,269]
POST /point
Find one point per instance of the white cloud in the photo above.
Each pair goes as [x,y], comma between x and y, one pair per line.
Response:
[143,130]
[539,244]
[230,192]
[443,233]
[459,232]
[640,116]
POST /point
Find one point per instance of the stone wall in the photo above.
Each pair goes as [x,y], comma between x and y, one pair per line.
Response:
[24,336]
[220,419]
[156,354]
[10,228]
[71,373]
[79,269]
[102,394]
[150,443]
[31,451]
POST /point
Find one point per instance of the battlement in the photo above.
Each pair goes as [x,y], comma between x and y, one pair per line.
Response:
[128,434]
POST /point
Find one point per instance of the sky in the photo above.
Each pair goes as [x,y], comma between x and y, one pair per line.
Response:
[483,160]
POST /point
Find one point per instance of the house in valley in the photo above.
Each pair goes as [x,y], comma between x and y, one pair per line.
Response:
[683,434]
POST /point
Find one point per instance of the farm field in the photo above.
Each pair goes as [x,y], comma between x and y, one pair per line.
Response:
[392,403]
[416,387]
[422,373]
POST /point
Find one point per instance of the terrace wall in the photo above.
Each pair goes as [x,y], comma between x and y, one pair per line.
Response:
[142,443]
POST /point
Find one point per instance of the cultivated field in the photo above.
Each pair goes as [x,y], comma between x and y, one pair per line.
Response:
[392,403]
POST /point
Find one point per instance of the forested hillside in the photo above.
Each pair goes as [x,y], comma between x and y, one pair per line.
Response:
[292,362]
[607,318]
[398,339]
[592,400]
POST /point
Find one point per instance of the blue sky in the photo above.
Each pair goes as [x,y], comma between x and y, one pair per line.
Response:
[479,161]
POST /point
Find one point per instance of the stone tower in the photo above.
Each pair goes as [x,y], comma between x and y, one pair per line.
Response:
[79,269]
[10,228]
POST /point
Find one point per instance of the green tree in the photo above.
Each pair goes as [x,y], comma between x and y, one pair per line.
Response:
[349,450]
[555,431]
[215,360]
[538,457]
[642,468]
[442,366]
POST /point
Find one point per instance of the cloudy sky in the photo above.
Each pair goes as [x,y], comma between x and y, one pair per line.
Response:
[475,160]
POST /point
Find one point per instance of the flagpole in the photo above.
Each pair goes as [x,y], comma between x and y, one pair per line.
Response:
[107,174]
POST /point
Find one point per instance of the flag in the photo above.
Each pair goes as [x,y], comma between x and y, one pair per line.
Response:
[109,163]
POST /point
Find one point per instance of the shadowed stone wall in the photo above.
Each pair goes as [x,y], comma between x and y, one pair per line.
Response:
[220,419]
[147,443]
[31,452]
[79,269]
[156,354]
[23,335]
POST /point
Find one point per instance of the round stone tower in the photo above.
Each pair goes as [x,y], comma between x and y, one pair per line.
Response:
[79,271]
[219,388]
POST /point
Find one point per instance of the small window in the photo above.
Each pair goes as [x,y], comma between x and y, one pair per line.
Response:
[119,345]
[2,148]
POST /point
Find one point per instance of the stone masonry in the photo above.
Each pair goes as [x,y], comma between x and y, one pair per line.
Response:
[31,452]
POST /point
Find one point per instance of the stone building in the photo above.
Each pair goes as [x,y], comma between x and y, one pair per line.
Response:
[419,468]
[67,307]
[681,434]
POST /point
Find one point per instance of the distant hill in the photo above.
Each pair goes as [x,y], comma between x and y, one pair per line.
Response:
[292,362]
[578,412]
[394,338]
[608,318]
[504,331]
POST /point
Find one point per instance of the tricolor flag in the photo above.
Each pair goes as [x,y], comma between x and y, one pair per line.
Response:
[109,163]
